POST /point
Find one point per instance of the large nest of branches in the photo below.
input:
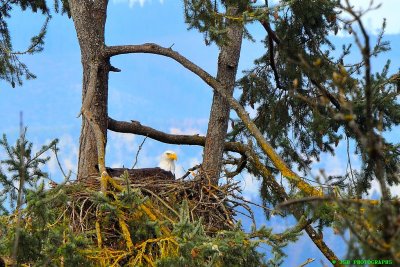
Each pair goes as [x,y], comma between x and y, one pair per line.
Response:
[214,205]
[134,222]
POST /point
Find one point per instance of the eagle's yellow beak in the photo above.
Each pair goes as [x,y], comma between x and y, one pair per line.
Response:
[172,156]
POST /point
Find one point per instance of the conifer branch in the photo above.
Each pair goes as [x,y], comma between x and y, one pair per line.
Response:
[273,37]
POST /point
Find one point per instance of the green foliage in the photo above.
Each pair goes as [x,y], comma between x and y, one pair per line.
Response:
[64,7]
[211,17]
[307,100]
[58,227]
[300,131]
[368,236]
[50,236]
[12,69]
[21,161]
[44,239]
[310,96]
[226,248]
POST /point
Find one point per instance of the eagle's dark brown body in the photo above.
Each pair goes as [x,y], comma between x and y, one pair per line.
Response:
[165,171]
[142,174]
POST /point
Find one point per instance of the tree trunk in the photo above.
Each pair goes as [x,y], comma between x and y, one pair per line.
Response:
[219,116]
[89,19]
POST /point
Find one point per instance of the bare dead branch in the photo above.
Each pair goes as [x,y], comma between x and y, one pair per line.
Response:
[136,127]
[151,48]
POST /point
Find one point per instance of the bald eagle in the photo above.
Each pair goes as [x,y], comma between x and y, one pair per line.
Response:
[167,161]
[164,171]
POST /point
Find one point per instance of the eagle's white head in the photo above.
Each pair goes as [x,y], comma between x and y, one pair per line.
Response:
[167,161]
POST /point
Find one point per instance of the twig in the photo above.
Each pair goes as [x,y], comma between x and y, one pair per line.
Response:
[190,171]
[162,201]
[137,153]
[59,163]
[309,260]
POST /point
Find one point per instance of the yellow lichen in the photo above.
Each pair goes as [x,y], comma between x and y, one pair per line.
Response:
[126,234]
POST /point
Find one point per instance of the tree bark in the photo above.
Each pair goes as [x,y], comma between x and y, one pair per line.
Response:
[219,116]
[89,19]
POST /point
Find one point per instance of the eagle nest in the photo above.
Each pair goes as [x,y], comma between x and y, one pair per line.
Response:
[215,205]
[135,220]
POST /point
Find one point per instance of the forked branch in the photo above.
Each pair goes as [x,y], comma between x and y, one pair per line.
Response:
[235,105]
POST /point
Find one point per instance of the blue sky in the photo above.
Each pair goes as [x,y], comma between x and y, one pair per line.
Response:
[151,89]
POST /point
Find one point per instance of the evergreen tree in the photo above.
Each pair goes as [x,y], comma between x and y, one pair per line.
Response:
[23,174]
[299,88]
[20,162]
[308,100]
